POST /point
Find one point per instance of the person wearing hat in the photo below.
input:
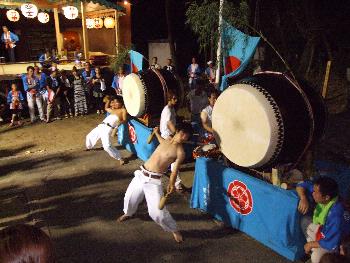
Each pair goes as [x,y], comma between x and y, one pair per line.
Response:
[210,72]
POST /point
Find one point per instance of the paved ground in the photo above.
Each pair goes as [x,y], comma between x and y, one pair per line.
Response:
[77,195]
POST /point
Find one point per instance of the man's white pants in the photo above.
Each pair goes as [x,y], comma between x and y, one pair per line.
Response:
[103,132]
[142,186]
[310,230]
[31,105]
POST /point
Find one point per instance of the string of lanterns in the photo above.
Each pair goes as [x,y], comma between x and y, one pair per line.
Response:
[98,22]
[31,11]
[70,12]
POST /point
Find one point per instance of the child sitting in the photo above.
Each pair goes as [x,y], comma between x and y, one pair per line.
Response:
[326,228]
[15,99]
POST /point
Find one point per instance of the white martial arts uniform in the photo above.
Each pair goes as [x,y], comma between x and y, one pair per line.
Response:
[144,186]
[103,132]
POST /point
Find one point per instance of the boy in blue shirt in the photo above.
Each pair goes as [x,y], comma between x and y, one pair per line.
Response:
[325,229]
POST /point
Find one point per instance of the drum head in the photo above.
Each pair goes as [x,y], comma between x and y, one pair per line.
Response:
[134,95]
[247,126]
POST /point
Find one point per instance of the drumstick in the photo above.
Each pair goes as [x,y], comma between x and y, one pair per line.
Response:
[150,137]
[163,201]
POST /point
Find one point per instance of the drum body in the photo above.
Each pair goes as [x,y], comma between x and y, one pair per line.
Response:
[266,120]
[145,92]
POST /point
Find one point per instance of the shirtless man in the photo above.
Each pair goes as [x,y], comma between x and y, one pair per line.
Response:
[117,116]
[147,180]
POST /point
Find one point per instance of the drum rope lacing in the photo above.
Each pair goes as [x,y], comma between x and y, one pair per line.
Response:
[140,74]
[165,87]
[278,116]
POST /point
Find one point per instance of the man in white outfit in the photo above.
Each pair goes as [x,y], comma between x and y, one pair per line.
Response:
[147,180]
[118,115]
[167,126]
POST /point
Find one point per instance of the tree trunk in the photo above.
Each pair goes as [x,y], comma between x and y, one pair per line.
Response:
[170,34]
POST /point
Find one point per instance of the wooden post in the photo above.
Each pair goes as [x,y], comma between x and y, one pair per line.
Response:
[326,79]
[116,31]
[85,33]
[59,39]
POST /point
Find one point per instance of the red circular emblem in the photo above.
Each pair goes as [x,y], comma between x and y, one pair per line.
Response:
[132,133]
[240,197]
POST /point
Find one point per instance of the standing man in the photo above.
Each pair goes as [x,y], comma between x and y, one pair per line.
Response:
[154,64]
[168,127]
[193,72]
[31,85]
[147,180]
[210,73]
[169,66]
[9,39]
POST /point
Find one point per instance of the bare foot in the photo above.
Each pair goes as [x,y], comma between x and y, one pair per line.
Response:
[123,218]
[121,161]
[177,236]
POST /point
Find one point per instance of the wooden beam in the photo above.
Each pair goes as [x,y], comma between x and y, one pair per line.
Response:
[59,39]
[85,33]
[116,32]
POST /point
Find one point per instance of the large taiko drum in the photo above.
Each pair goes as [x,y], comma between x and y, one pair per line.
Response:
[267,119]
[145,92]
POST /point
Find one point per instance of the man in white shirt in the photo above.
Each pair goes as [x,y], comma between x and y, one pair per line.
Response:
[167,126]
[155,64]
[206,115]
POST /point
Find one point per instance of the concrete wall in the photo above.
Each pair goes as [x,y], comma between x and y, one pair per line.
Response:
[161,50]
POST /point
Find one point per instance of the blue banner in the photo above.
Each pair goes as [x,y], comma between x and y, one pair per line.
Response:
[136,60]
[238,48]
[265,212]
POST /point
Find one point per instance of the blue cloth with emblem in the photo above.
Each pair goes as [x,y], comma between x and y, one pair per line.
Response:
[140,147]
[273,219]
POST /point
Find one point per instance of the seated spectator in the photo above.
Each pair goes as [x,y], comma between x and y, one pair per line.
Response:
[25,244]
[47,59]
[325,229]
[15,100]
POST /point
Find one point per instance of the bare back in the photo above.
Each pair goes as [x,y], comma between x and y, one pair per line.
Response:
[165,154]
[121,113]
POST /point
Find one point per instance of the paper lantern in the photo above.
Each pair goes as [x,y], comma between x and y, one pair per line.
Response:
[43,17]
[98,23]
[109,22]
[70,12]
[12,15]
[29,10]
[89,23]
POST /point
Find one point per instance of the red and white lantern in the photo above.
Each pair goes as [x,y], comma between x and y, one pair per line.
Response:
[70,12]
[29,10]
[43,17]
[98,23]
[12,15]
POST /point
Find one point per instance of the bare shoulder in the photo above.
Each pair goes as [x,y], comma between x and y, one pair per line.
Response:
[180,152]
